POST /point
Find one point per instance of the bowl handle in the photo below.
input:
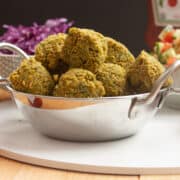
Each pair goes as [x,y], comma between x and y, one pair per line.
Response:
[4,83]
[156,98]
[16,50]
[13,48]
[3,45]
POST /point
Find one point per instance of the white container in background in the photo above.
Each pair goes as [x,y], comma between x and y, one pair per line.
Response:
[173,100]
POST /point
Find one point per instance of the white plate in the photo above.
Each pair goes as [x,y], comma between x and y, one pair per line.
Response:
[155,150]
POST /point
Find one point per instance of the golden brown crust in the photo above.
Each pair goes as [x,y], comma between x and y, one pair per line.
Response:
[49,51]
[145,71]
[84,48]
[79,83]
[32,77]
[118,54]
[113,78]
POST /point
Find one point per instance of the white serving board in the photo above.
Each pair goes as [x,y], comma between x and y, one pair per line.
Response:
[154,150]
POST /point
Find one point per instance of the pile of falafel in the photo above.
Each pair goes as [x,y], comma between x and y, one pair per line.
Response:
[85,64]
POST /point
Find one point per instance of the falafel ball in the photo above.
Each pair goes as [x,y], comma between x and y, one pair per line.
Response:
[49,51]
[84,48]
[113,78]
[118,54]
[145,71]
[79,83]
[32,77]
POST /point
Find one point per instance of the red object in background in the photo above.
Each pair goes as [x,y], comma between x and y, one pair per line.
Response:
[160,14]
[152,30]
[172,3]
[169,37]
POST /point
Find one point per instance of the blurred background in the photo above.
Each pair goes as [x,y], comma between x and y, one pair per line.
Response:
[124,20]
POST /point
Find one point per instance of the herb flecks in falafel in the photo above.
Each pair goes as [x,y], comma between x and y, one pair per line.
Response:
[118,54]
[113,78]
[79,83]
[84,48]
[32,77]
[145,71]
[49,52]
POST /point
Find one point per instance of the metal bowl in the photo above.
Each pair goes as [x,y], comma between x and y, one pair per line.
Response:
[91,119]
[72,119]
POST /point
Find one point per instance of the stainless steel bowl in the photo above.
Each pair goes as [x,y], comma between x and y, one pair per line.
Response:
[91,119]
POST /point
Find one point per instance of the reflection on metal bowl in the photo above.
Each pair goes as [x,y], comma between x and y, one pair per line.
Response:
[90,119]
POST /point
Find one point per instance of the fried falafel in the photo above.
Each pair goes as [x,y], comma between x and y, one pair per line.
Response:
[49,52]
[144,72]
[118,54]
[84,48]
[113,78]
[79,83]
[32,77]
